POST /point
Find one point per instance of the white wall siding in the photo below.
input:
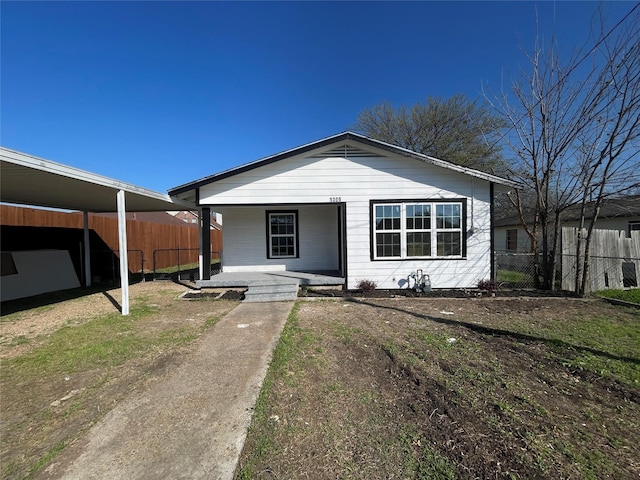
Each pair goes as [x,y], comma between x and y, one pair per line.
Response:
[245,239]
[314,180]
[444,273]
[308,179]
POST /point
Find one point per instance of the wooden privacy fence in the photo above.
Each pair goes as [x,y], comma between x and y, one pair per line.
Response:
[144,237]
[614,258]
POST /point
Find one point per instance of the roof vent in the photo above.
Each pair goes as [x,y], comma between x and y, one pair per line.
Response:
[345,151]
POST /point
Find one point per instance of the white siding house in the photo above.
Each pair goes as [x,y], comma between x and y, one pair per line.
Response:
[357,207]
[617,213]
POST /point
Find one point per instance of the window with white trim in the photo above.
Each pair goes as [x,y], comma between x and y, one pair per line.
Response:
[282,234]
[417,230]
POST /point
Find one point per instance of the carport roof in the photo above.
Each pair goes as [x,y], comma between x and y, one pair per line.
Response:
[29,180]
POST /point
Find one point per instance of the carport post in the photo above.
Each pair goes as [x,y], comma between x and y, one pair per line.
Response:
[124,261]
[87,251]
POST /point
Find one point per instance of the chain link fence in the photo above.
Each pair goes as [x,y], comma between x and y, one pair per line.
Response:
[181,264]
[518,270]
[166,264]
[105,266]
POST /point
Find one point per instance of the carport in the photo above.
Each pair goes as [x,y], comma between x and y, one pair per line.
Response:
[29,180]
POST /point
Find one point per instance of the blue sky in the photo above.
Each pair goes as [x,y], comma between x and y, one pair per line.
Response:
[162,93]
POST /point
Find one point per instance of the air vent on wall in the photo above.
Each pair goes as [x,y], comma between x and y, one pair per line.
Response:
[345,151]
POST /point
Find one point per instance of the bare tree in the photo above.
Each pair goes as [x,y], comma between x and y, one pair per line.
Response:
[610,159]
[573,132]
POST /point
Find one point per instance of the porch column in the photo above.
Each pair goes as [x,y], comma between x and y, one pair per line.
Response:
[87,251]
[206,243]
[124,261]
[200,246]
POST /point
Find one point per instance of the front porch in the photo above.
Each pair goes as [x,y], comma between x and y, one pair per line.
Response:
[272,286]
[282,277]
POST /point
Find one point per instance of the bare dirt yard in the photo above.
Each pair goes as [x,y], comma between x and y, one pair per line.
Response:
[450,388]
[364,388]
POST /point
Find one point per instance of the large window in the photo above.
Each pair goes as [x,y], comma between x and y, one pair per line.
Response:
[282,234]
[417,229]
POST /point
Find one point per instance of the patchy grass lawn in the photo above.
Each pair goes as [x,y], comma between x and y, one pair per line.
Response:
[65,365]
[632,295]
[441,388]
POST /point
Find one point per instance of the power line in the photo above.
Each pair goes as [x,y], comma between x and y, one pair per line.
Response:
[571,69]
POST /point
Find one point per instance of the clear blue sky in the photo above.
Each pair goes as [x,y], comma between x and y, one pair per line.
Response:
[162,93]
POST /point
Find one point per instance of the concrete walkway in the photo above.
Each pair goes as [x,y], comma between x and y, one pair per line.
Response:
[192,424]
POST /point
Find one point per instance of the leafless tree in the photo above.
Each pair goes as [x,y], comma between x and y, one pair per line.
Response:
[573,132]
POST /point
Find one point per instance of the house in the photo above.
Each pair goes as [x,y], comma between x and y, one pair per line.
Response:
[188,216]
[357,208]
[616,213]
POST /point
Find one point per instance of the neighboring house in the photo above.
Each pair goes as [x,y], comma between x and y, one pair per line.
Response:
[188,216]
[358,208]
[621,213]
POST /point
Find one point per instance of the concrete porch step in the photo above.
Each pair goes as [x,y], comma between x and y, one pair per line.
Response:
[271,292]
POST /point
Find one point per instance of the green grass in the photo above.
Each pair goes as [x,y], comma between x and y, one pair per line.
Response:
[296,355]
[512,276]
[182,267]
[105,342]
[50,455]
[92,344]
[632,295]
[262,426]
[354,428]
[421,461]
[604,345]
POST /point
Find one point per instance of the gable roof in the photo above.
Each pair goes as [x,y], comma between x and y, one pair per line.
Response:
[612,207]
[341,138]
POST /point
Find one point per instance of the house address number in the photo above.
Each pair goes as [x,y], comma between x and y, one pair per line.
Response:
[335,199]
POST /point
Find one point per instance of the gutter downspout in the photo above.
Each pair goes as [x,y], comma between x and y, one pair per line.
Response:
[491,230]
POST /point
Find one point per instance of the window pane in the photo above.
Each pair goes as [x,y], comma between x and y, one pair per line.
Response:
[418,217]
[448,216]
[449,244]
[387,244]
[282,232]
[387,217]
[419,244]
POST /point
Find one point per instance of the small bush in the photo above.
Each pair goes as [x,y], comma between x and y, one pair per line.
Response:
[366,286]
[488,285]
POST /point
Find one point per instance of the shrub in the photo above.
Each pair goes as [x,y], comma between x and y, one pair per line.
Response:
[366,286]
[488,285]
